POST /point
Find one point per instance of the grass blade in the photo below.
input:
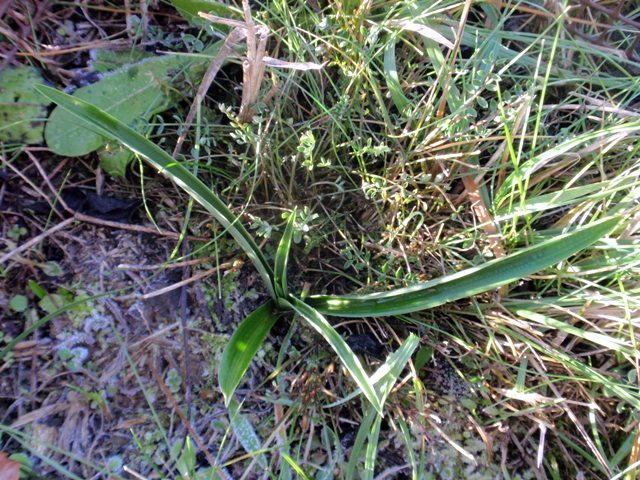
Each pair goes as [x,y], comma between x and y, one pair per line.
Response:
[243,346]
[569,196]
[408,441]
[282,258]
[466,283]
[113,128]
[388,373]
[602,340]
[391,77]
[598,137]
[347,357]
[295,466]
[621,389]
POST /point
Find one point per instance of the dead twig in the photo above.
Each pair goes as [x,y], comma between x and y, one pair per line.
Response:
[187,281]
[76,216]
[253,67]
[196,261]
[35,240]
[256,61]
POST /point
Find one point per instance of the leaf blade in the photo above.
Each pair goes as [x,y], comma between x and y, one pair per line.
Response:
[161,160]
[387,374]
[467,282]
[282,257]
[243,346]
[391,77]
[348,358]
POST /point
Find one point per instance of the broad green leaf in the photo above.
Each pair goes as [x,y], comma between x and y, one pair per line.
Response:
[391,77]
[422,357]
[132,93]
[467,282]
[22,110]
[113,128]
[115,158]
[19,303]
[243,346]
[348,359]
[282,258]
[105,60]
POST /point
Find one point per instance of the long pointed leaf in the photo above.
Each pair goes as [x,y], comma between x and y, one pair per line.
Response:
[372,449]
[387,374]
[113,128]
[243,346]
[391,77]
[346,355]
[365,429]
[282,258]
[466,283]
[390,370]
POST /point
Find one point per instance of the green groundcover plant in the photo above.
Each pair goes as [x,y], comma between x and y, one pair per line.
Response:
[253,330]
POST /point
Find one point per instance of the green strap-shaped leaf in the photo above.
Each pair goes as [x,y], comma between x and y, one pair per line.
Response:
[282,258]
[372,449]
[360,443]
[113,128]
[243,346]
[385,377]
[390,370]
[391,77]
[466,283]
[346,355]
